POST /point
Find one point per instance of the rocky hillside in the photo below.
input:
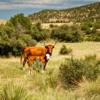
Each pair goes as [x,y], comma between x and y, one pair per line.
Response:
[78,14]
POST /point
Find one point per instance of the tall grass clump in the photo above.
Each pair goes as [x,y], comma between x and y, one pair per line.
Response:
[90,90]
[72,70]
[11,91]
[55,95]
[44,81]
[91,68]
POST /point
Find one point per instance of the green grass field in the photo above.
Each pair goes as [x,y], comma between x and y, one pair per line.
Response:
[46,86]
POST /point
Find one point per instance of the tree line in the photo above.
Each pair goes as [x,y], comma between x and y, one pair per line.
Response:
[18,33]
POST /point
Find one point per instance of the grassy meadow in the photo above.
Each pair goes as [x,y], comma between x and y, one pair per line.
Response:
[46,86]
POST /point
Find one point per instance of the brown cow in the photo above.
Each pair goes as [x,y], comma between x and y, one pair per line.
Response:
[37,52]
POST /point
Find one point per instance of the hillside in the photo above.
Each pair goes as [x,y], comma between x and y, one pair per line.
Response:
[78,14]
[2,21]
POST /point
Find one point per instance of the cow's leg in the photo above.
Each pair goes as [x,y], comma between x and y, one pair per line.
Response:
[30,62]
[24,61]
[44,63]
[44,67]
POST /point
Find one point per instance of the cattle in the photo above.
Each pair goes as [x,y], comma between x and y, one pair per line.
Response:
[31,59]
[41,52]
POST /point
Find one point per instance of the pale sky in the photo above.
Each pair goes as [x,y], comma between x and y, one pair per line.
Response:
[9,8]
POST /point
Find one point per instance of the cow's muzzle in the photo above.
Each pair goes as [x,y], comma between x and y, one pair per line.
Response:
[47,56]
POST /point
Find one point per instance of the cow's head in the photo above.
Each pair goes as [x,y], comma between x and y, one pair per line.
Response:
[49,49]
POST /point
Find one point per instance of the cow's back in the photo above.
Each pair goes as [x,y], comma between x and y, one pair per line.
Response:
[35,51]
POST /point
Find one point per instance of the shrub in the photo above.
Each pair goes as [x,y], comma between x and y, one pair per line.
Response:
[51,25]
[37,65]
[67,33]
[38,33]
[65,50]
[88,31]
[72,70]
[97,38]
[94,38]
[14,36]
[97,25]
[22,20]
[84,27]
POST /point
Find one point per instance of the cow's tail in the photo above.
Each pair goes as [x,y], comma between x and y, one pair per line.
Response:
[21,57]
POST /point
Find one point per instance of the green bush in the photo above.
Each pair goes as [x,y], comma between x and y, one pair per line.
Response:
[88,31]
[13,43]
[72,70]
[97,39]
[65,50]
[93,38]
[15,35]
[38,33]
[97,25]
[51,25]
[67,33]
[84,27]
[20,19]
[38,65]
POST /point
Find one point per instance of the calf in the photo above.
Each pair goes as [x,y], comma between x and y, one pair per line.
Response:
[43,59]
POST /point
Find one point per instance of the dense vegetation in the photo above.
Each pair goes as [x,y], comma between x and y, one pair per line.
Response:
[19,31]
[73,70]
[77,14]
[68,33]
